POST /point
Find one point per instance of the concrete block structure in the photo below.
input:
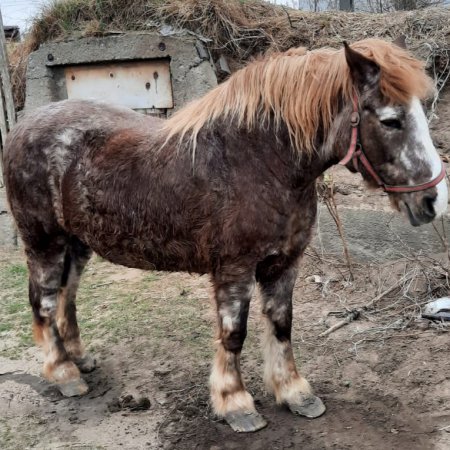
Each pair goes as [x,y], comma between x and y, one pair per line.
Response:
[51,68]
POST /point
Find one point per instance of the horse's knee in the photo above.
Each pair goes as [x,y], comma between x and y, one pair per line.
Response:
[49,302]
[233,325]
[279,319]
[233,341]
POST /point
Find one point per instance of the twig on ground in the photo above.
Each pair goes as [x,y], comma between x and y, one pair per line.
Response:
[355,313]
[163,423]
[376,299]
[391,336]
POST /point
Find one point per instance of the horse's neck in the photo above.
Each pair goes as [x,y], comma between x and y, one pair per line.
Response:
[330,148]
[265,148]
[270,148]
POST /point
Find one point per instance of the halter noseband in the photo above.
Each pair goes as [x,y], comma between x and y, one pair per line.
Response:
[356,154]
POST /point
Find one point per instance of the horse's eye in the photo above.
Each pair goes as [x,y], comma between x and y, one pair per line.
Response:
[392,123]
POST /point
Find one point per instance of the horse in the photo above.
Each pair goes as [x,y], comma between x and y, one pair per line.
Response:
[225,187]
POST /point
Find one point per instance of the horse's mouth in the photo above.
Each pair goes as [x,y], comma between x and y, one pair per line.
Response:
[415,219]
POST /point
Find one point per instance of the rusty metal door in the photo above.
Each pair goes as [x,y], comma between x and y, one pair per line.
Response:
[137,84]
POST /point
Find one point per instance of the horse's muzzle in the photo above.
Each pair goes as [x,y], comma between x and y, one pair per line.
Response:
[422,212]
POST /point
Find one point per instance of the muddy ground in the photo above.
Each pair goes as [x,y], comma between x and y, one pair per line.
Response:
[385,378]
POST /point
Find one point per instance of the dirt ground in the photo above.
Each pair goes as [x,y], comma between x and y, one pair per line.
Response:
[385,378]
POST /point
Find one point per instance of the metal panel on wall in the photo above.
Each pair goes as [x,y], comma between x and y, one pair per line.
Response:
[135,84]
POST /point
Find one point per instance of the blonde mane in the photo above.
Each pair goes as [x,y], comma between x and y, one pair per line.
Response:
[301,89]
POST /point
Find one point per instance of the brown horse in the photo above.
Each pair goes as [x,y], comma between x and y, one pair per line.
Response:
[225,187]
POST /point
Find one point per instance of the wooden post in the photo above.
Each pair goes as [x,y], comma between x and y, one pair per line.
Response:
[7,109]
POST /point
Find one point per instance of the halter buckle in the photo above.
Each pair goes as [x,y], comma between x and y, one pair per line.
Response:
[355,119]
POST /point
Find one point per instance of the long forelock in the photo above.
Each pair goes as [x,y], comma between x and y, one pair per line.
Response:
[300,89]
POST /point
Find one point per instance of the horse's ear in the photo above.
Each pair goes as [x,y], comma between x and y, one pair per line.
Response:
[365,73]
[400,42]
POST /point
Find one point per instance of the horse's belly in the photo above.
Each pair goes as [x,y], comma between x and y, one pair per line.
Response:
[140,253]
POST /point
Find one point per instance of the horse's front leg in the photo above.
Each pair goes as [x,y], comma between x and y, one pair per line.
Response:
[280,373]
[229,398]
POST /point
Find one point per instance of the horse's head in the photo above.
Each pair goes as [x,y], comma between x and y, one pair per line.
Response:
[391,143]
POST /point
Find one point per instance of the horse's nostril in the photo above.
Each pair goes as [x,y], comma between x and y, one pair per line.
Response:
[428,205]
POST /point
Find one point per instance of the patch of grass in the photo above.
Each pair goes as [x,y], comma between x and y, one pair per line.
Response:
[15,312]
[6,435]
[14,275]
[150,277]
[5,327]
[152,309]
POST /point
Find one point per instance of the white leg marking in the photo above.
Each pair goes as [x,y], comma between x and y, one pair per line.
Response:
[280,374]
[228,393]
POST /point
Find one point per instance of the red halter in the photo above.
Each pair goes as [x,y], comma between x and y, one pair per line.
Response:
[356,154]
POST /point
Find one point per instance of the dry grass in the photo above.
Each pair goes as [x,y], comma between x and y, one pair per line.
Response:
[385,300]
[240,29]
[18,58]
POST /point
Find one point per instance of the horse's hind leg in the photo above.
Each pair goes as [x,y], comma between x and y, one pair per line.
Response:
[76,257]
[229,398]
[45,255]
[280,373]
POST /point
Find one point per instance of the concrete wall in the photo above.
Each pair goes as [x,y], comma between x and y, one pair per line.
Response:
[376,235]
[192,73]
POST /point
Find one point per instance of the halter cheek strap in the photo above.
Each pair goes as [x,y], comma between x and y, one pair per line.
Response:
[356,154]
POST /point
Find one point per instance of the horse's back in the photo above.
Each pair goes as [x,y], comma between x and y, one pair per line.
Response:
[47,123]
[57,130]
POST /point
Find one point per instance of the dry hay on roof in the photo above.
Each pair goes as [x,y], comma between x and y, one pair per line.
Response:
[239,29]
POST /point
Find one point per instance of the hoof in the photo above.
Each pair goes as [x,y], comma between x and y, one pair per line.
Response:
[86,364]
[245,422]
[73,388]
[307,405]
